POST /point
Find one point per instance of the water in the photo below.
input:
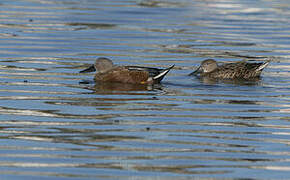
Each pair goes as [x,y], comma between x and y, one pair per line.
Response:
[56,124]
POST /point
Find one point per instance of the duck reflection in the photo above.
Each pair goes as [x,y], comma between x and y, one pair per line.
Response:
[117,88]
[212,81]
[110,87]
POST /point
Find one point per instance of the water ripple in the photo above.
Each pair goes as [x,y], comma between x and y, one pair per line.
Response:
[56,123]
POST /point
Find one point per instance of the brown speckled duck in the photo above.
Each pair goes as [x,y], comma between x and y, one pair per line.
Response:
[239,70]
[108,72]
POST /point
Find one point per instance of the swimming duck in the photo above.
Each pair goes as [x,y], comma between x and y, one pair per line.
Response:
[239,70]
[108,72]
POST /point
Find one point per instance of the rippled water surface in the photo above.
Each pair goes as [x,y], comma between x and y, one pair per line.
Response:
[58,124]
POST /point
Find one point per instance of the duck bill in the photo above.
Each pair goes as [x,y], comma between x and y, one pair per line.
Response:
[89,69]
[197,71]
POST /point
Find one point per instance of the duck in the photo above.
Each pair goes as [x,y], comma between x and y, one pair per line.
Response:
[209,68]
[108,72]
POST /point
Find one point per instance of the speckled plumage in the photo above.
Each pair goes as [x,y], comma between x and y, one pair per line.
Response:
[107,72]
[239,70]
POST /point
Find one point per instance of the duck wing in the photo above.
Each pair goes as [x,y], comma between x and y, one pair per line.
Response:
[152,71]
[241,69]
[257,66]
[155,73]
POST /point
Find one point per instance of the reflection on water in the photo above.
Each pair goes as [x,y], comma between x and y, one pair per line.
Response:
[58,124]
[112,87]
[211,81]
[91,26]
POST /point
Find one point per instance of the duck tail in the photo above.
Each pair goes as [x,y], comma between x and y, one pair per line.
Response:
[162,74]
[263,65]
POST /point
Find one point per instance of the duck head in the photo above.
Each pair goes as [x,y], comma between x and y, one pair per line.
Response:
[206,66]
[101,65]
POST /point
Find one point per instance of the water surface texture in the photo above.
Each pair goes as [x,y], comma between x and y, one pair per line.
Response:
[58,124]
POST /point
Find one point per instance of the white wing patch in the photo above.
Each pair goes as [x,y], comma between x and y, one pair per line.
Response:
[263,66]
[161,74]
